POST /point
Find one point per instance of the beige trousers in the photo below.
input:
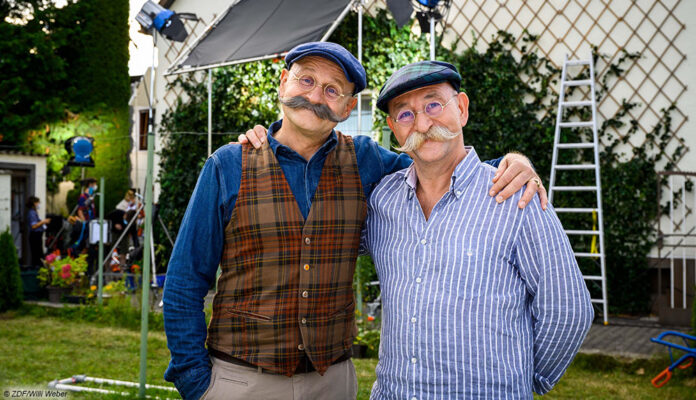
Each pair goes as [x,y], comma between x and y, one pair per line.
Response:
[231,381]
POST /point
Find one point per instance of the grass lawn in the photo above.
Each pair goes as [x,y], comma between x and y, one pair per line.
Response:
[38,349]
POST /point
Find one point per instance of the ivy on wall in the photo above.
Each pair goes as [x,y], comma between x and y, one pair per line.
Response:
[65,73]
[512,108]
[109,128]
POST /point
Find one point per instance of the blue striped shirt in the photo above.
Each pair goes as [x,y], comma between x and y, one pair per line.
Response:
[482,300]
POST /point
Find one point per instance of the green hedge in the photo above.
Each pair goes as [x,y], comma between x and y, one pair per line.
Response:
[11,295]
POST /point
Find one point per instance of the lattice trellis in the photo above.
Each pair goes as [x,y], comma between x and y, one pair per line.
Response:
[195,28]
[648,27]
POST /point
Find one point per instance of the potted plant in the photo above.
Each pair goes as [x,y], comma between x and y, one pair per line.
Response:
[60,276]
[366,343]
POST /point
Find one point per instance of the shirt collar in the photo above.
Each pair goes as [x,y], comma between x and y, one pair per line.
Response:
[329,145]
[461,177]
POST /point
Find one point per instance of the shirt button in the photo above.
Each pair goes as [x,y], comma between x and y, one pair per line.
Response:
[418,280]
[306,267]
[423,241]
[413,319]
[469,253]
[459,192]
[414,398]
[413,360]
[300,347]
[305,294]
[304,321]
[307,240]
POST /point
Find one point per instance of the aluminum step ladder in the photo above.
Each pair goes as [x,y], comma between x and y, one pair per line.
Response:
[597,231]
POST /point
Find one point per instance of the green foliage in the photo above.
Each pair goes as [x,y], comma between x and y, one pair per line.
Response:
[507,112]
[365,273]
[65,73]
[693,316]
[10,278]
[109,128]
[99,56]
[243,96]
[57,58]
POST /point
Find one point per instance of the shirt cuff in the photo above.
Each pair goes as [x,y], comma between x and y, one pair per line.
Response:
[541,385]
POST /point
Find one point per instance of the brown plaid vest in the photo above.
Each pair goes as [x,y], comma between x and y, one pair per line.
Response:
[286,283]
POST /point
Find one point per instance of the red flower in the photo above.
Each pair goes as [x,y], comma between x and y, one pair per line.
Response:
[65,271]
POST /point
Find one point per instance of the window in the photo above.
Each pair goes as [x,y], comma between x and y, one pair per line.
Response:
[142,133]
[350,126]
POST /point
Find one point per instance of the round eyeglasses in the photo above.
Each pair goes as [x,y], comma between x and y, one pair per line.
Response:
[307,83]
[432,109]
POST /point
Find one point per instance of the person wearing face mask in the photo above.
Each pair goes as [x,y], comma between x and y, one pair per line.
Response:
[37,227]
[85,203]
[86,212]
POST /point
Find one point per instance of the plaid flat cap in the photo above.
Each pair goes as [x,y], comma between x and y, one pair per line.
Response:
[350,65]
[415,76]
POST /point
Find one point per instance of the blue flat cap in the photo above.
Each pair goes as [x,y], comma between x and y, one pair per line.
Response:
[354,71]
[415,76]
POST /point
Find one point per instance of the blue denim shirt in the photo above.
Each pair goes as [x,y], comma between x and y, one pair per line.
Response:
[199,244]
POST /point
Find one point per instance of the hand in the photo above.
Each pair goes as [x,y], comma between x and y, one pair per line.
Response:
[514,172]
[46,221]
[256,136]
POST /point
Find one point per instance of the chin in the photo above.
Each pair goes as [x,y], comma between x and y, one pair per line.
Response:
[431,151]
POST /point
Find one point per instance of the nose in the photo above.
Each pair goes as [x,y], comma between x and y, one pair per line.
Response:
[422,123]
[316,95]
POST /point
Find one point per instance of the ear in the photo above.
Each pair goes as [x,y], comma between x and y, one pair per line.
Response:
[463,108]
[390,122]
[350,105]
[283,82]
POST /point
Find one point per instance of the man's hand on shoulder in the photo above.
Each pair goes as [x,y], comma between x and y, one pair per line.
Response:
[256,136]
[514,172]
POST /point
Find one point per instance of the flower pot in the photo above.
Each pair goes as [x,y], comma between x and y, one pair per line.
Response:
[56,293]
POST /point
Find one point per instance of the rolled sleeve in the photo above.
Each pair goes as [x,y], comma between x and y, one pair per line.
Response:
[191,272]
[561,309]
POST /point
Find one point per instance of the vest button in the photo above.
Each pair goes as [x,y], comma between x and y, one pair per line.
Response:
[304,321]
[300,347]
[305,294]
[307,240]
[306,267]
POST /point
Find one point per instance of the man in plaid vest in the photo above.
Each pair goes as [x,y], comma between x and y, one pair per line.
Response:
[283,220]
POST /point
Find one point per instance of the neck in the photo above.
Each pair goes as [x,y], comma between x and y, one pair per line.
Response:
[435,177]
[304,142]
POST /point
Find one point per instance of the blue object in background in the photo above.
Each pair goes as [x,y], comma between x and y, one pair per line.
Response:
[80,149]
[429,3]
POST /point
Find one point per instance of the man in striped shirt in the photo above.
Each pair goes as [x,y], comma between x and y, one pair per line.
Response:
[480,299]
